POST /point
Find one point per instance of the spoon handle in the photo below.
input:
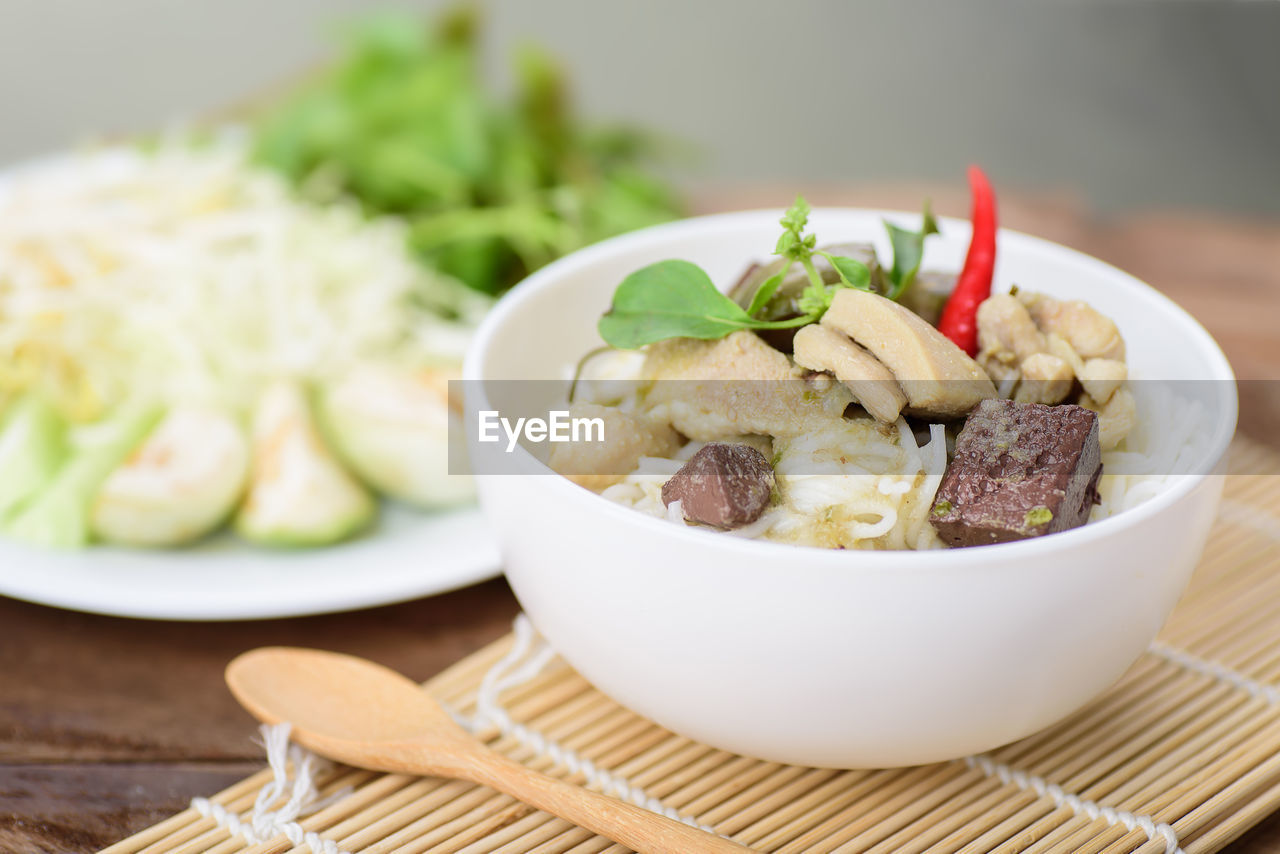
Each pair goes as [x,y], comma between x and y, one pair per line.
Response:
[637,828]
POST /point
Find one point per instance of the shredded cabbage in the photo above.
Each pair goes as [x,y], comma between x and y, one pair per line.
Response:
[184,274]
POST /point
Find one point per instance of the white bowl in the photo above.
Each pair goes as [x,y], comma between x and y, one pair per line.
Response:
[839,658]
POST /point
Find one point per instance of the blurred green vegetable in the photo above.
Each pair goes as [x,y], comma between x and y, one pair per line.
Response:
[492,188]
[31,449]
[392,428]
[58,516]
[299,495]
[183,481]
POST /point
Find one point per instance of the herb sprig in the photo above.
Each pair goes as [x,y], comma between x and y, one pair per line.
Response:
[908,250]
[677,299]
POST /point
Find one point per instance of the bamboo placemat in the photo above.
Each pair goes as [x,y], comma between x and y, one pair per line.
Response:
[1183,754]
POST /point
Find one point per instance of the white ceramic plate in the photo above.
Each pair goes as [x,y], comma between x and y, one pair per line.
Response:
[411,554]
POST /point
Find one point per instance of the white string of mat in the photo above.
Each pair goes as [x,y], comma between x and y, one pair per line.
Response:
[536,654]
[301,798]
[528,657]
[1240,513]
[1078,805]
[1261,690]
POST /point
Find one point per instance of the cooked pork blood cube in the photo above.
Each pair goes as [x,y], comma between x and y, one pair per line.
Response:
[1020,470]
[723,484]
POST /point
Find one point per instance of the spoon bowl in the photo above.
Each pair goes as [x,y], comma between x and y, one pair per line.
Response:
[339,697]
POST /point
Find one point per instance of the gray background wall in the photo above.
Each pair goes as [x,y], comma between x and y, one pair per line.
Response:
[1130,104]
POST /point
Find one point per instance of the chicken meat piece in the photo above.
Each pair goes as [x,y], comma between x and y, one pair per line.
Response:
[1090,333]
[1006,332]
[1045,379]
[712,390]
[1102,377]
[1116,417]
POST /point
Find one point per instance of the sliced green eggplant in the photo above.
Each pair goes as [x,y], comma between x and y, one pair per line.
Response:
[183,482]
[32,447]
[391,426]
[299,494]
[58,516]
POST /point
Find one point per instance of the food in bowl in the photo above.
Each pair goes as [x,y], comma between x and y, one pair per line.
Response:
[832,399]
[825,657]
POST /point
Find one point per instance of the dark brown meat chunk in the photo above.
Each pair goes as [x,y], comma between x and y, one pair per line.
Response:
[1021,470]
[929,293]
[723,485]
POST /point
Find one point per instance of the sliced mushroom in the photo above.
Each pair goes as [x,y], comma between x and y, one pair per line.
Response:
[1090,333]
[823,349]
[938,378]
[1101,377]
[626,438]
[1045,379]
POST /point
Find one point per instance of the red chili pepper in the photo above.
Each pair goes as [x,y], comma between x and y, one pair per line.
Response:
[960,315]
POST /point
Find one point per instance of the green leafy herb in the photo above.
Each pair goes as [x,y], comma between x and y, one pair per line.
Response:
[796,247]
[677,299]
[853,273]
[908,249]
[492,187]
[764,293]
[669,299]
[582,366]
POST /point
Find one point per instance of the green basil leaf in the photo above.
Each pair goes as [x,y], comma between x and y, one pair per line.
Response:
[765,292]
[669,299]
[853,273]
[908,250]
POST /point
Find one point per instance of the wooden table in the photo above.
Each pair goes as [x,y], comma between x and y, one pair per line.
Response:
[109,725]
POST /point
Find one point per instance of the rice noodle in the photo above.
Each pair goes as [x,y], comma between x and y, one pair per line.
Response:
[854,484]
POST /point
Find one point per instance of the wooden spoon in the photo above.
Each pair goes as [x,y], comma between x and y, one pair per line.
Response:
[366,715]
